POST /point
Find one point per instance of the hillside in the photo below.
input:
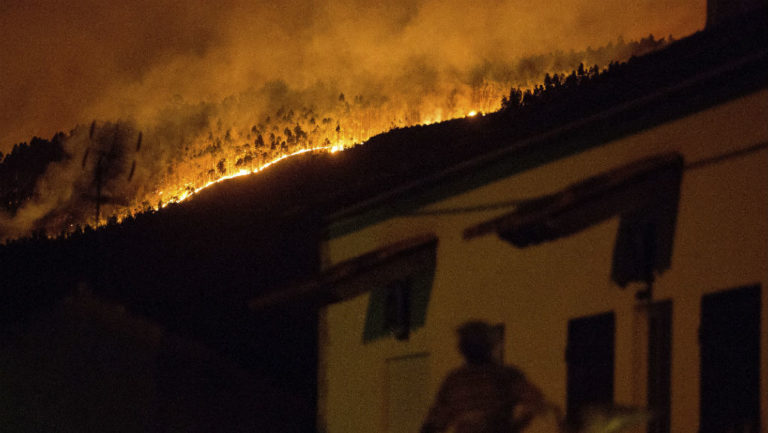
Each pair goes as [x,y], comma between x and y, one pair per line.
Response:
[123,168]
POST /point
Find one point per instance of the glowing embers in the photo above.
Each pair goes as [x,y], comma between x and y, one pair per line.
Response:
[188,191]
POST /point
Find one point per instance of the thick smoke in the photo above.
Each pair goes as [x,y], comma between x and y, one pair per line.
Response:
[66,62]
[217,87]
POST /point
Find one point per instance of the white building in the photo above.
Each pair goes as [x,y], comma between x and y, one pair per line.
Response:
[625,253]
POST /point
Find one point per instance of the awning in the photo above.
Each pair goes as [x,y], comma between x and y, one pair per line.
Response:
[378,268]
[645,194]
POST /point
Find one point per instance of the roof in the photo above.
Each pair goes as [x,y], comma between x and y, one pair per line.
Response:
[333,284]
[622,190]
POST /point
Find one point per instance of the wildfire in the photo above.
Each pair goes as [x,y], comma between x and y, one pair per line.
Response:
[181,192]
[191,147]
[220,153]
[184,192]
[189,193]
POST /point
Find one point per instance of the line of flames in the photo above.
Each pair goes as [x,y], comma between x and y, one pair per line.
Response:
[187,192]
[179,194]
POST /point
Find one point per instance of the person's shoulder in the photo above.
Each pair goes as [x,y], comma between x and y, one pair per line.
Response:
[458,377]
[453,374]
[513,372]
[472,372]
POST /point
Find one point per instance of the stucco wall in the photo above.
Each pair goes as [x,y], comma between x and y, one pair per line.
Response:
[720,243]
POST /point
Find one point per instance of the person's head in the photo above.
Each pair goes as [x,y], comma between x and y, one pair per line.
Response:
[478,341]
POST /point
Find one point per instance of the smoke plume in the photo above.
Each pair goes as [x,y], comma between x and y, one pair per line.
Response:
[217,87]
[66,62]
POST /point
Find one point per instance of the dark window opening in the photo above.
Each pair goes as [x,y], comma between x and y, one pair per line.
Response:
[646,232]
[659,359]
[590,358]
[399,296]
[397,317]
[730,361]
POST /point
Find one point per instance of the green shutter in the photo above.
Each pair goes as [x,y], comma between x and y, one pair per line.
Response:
[420,281]
[375,317]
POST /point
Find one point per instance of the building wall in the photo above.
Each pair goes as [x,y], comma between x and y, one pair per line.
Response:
[720,243]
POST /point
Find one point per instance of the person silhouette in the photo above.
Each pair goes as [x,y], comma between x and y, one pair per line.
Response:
[483,395]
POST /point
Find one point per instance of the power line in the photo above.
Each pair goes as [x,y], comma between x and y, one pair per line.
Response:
[695,165]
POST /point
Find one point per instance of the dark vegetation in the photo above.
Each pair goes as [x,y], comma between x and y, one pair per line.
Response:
[192,267]
[21,169]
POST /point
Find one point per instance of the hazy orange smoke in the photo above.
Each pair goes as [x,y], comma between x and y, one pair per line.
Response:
[204,80]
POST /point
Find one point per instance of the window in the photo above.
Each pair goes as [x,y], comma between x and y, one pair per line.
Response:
[730,361]
[398,306]
[659,358]
[397,309]
[590,358]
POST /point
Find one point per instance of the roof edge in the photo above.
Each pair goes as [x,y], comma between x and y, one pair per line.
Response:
[320,284]
[664,93]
